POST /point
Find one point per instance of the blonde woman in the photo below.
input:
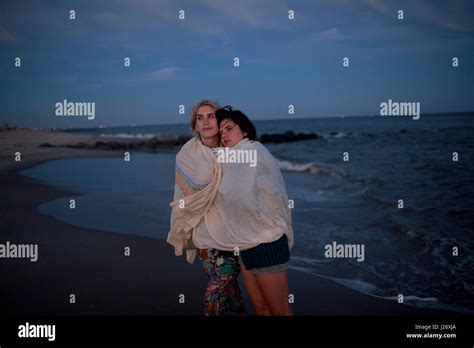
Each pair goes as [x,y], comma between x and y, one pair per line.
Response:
[197,178]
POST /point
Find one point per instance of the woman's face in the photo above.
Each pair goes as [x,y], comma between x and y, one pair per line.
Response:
[206,122]
[230,132]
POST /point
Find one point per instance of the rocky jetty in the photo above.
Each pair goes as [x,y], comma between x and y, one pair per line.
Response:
[287,137]
[153,144]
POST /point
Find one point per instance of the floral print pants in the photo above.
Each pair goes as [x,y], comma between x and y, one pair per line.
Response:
[223,295]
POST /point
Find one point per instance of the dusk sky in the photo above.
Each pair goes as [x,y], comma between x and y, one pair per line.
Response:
[282,61]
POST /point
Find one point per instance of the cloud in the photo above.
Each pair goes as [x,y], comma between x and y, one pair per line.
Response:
[263,14]
[454,16]
[159,16]
[80,82]
[6,36]
[332,34]
[311,39]
[162,74]
[151,77]
[381,7]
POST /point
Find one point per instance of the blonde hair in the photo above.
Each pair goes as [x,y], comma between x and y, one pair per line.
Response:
[204,102]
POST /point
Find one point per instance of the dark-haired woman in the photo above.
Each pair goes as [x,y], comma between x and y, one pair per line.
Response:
[255,219]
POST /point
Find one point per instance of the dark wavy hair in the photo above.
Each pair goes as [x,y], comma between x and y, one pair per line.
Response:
[239,118]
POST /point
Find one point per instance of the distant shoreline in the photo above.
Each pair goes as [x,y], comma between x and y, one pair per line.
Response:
[78,129]
[27,141]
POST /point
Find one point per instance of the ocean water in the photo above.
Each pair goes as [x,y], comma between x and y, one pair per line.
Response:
[408,251]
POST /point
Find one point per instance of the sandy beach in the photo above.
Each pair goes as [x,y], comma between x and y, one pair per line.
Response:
[91,264]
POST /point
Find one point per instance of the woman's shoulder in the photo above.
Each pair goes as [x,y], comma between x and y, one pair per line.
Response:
[263,154]
[257,145]
[188,146]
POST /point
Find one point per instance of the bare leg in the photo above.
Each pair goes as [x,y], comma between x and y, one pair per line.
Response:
[253,290]
[274,288]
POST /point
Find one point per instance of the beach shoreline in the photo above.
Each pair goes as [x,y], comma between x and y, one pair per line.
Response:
[91,264]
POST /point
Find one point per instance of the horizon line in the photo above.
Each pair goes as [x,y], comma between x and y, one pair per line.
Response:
[257,120]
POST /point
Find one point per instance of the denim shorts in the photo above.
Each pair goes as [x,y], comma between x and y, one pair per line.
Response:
[267,258]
